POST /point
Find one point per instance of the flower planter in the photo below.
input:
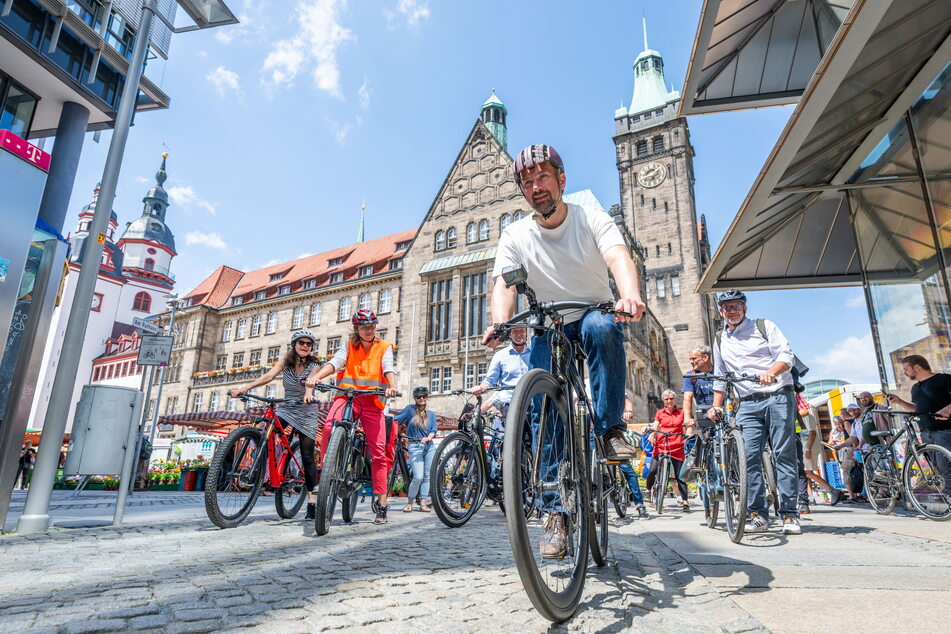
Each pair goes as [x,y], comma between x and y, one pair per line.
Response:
[95,486]
[164,487]
[64,486]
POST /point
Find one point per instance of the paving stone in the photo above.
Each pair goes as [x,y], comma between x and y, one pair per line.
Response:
[148,622]
[97,625]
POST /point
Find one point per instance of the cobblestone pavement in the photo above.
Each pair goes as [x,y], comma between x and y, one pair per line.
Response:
[274,575]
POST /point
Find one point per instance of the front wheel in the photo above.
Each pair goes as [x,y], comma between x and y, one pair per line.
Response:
[457,479]
[660,483]
[233,483]
[735,501]
[927,476]
[289,499]
[709,492]
[621,495]
[769,480]
[331,477]
[598,530]
[879,486]
[554,582]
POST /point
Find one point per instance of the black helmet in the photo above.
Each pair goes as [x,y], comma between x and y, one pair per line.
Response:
[420,391]
[731,295]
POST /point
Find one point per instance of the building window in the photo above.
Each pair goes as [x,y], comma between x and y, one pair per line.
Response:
[315,314]
[385,301]
[518,215]
[653,203]
[271,326]
[504,222]
[256,325]
[336,278]
[473,304]
[471,233]
[311,283]
[447,379]
[675,285]
[366,271]
[213,402]
[242,329]
[670,249]
[171,404]
[469,382]
[226,331]
[434,382]
[333,344]
[402,246]
[237,360]
[396,264]
[451,238]
[232,404]
[298,319]
[658,144]
[440,310]
[641,148]
[440,240]
[259,295]
[199,397]
[221,362]
[661,290]
[484,230]
[142,302]
[274,353]
[255,358]
[149,264]
[271,391]
[285,290]
[334,262]
[237,301]
[17,108]
[344,308]
[658,250]
[666,209]
[365,301]
[275,277]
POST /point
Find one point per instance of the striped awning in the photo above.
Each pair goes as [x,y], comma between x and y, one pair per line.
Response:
[232,417]
[461,259]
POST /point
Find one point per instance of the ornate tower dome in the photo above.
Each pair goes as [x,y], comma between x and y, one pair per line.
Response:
[650,90]
[147,242]
[493,116]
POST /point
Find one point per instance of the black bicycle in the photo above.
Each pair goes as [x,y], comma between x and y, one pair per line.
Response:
[566,466]
[400,474]
[346,465]
[467,467]
[665,467]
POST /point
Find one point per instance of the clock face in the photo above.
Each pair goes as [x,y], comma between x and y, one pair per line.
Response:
[652,174]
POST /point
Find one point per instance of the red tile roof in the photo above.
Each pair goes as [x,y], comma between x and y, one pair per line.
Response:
[226,282]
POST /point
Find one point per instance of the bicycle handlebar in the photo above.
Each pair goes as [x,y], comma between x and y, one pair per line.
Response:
[729,377]
[271,401]
[326,387]
[552,309]
[469,392]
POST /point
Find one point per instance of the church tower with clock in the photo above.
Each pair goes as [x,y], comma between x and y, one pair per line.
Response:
[655,167]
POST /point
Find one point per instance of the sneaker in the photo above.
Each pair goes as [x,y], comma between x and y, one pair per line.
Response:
[836,497]
[756,524]
[311,511]
[617,446]
[686,507]
[642,513]
[804,508]
[381,514]
[554,541]
[791,526]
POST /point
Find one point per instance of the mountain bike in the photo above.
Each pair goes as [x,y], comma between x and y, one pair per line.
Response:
[400,471]
[566,465]
[924,476]
[620,492]
[467,468]
[769,475]
[665,466]
[236,474]
[346,466]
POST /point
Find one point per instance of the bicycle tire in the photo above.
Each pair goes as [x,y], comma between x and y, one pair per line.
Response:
[598,529]
[924,483]
[558,603]
[290,497]
[711,497]
[660,483]
[528,496]
[330,476]
[735,492]
[397,472]
[769,480]
[457,496]
[881,493]
[223,482]
[354,482]
[621,497]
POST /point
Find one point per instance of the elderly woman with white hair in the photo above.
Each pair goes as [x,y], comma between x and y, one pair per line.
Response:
[669,419]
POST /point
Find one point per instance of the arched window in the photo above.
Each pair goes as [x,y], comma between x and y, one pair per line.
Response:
[484,230]
[142,302]
[518,215]
[505,221]
[440,240]
[149,264]
[658,144]
[451,238]
[471,233]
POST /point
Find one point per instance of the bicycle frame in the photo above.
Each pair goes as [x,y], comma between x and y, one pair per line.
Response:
[275,463]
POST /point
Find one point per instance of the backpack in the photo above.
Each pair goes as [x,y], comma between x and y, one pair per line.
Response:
[145,452]
[798,369]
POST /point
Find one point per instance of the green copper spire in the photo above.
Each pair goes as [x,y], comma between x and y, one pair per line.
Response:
[363,215]
[493,116]
[650,90]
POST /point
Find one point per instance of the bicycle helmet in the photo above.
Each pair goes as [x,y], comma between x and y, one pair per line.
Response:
[535,155]
[420,391]
[364,316]
[731,295]
[303,334]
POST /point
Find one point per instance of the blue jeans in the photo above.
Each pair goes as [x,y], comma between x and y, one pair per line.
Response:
[633,484]
[776,417]
[603,343]
[420,460]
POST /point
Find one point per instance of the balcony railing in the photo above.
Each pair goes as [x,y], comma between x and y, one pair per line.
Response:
[231,375]
[141,268]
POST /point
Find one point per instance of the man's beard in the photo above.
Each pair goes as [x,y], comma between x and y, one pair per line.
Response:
[547,207]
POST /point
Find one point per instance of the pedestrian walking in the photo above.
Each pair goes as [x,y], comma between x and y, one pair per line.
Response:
[420,425]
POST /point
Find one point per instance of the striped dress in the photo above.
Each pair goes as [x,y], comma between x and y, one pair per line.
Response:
[301,417]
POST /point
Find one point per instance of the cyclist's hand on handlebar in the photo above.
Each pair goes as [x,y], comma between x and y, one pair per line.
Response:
[309,397]
[310,383]
[765,378]
[238,391]
[715,413]
[629,309]
[391,392]
[489,337]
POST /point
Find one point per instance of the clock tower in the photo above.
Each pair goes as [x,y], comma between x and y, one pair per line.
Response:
[655,167]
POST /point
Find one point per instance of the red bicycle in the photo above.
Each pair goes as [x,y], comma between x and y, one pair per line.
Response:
[237,471]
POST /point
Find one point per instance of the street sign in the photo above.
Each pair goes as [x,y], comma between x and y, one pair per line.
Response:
[155,350]
[145,326]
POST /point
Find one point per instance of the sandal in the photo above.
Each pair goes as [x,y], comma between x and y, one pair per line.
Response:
[408,508]
[425,508]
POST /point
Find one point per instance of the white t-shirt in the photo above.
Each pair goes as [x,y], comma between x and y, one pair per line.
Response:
[565,263]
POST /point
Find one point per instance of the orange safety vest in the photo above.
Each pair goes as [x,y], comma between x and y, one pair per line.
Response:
[364,370]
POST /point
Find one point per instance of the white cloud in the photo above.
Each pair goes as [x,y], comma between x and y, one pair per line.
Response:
[341,132]
[225,81]
[315,44]
[186,197]
[364,94]
[211,240]
[271,262]
[852,359]
[142,179]
[855,301]
[412,11]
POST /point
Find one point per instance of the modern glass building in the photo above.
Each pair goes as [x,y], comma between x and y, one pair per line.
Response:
[857,190]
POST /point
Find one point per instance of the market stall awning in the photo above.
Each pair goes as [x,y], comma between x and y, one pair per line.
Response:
[794,228]
[755,53]
[224,418]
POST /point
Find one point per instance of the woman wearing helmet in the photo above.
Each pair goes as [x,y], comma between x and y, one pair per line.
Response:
[366,362]
[420,430]
[297,364]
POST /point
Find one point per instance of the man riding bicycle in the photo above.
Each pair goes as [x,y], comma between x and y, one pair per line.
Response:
[505,369]
[568,251]
[365,363]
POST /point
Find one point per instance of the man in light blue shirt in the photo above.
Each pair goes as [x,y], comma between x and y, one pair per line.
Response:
[507,367]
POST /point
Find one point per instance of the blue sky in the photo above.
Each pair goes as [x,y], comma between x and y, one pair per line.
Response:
[281,126]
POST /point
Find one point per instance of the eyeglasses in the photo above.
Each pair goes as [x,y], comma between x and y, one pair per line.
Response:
[420,396]
[367,327]
[309,344]
[732,308]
